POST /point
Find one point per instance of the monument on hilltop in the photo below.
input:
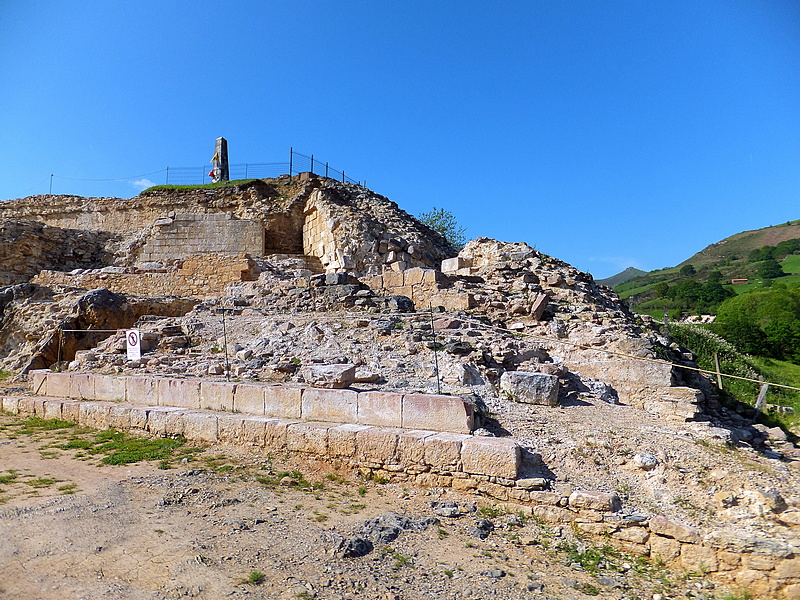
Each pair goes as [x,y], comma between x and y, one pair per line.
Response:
[219,171]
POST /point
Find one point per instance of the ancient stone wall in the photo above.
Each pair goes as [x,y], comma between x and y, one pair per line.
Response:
[184,234]
[200,276]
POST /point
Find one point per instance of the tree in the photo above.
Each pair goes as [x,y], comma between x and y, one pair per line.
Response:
[687,270]
[770,269]
[715,277]
[445,223]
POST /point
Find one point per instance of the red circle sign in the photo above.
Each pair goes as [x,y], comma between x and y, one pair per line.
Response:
[133,338]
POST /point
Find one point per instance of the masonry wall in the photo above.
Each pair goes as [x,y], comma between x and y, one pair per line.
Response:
[185,234]
[200,276]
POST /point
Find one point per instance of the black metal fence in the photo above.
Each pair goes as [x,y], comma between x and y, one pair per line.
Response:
[297,163]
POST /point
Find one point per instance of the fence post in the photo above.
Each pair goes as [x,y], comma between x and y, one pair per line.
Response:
[719,374]
[245,170]
[762,396]
[435,353]
[342,175]
[326,169]
[291,155]
[312,163]
[166,181]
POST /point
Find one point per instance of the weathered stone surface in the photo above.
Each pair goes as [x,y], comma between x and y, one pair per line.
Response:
[311,438]
[789,568]
[274,431]
[443,450]
[119,417]
[109,387]
[661,525]
[216,395]
[329,376]
[59,385]
[410,446]
[336,406]
[229,429]
[10,404]
[637,535]
[38,379]
[157,419]
[248,398]
[377,444]
[491,456]
[200,426]
[184,393]
[71,411]
[82,386]
[283,401]
[437,413]
[594,500]
[141,390]
[663,548]
[342,439]
[52,409]
[530,388]
[94,414]
[698,558]
[553,514]
[382,409]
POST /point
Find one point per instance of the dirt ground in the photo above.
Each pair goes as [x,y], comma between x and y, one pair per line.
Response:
[226,522]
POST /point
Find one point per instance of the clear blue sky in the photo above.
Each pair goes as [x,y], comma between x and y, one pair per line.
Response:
[607,134]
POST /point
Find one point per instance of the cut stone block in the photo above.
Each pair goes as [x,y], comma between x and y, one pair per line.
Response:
[94,414]
[275,433]
[157,419]
[82,386]
[175,422]
[311,438]
[491,456]
[38,407]
[700,559]
[38,378]
[229,429]
[138,416]
[410,446]
[443,450]
[437,413]
[141,390]
[530,388]
[283,401]
[52,409]
[377,444]
[329,376]
[661,525]
[25,405]
[109,387]
[248,399]
[593,500]
[382,409]
[335,406]
[200,426]
[451,265]
[342,439]
[216,395]
[59,385]
[11,404]
[119,416]
[183,393]
[71,411]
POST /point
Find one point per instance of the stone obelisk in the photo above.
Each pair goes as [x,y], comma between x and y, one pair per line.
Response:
[220,161]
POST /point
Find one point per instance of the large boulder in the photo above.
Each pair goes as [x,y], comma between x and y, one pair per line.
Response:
[530,388]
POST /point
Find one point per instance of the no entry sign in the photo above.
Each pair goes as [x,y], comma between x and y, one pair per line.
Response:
[133,343]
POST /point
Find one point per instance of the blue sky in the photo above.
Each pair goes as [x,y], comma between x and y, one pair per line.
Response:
[607,134]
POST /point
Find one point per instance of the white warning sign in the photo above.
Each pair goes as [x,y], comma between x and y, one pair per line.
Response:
[133,342]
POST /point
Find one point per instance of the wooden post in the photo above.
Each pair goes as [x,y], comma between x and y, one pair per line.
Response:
[719,375]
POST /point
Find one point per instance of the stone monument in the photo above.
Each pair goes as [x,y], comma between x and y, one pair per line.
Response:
[219,171]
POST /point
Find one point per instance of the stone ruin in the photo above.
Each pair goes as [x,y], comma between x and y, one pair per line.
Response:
[357,325]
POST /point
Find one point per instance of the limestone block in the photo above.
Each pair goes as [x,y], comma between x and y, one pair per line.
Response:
[547,498]
[539,305]
[59,385]
[443,450]
[377,444]
[679,531]
[25,405]
[183,393]
[71,411]
[552,514]
[411,447]
[38,378]
[138,417]
[451,265]
[38,407]
[342,439]
[157,419]
[248,398]
[109,387]
[593,500]
[789,568]
[94,414]
[637,535]
[335,406]
[275,432]
[383,409]
[530,388]
[791,592]
[141,390]
[437,413]
[311,438]
[11,404]
[119,416]
[216,395]
[631,547]
[253,430]
[393,279]
[433,279]
[413,276]
[760,562]
[595,528]
[52,409]
[491,456]
[229,429]
[453,301]
[329,376]
[200,426]
[175,422]
[665,549]
[82,386]
[698,558]
[283,401]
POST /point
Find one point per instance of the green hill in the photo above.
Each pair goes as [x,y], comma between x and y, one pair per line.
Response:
[622,277]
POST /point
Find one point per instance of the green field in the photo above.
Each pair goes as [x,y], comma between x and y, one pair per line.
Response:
[791,264]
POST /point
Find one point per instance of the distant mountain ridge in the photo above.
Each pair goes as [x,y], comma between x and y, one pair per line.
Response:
[622,277]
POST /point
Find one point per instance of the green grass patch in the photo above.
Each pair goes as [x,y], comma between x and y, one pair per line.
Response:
[42,482]
[204,186]
[120,448]
[791,264]
[5,374]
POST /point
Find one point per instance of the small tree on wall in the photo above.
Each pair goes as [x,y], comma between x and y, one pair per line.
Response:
[445,223]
